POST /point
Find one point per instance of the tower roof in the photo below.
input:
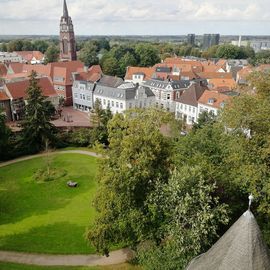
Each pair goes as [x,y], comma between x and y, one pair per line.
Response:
[65,10]
[240,248]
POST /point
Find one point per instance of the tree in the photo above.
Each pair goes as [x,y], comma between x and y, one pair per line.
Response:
[248,148]
[27,46]
[52,54]
[15,45]
[204,119]
[192,217]
[138,157]
[40,45]
[100,119]
[110,65]
[37,129]
[88,54]
[3,47]
[5,133]
[148,55]
[127,60]
[260,81]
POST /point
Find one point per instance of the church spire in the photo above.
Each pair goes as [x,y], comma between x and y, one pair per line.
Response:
[65,10]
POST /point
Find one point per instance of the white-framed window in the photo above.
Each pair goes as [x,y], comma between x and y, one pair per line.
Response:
[80,96]
[121,105]
[76,95]
[117,105]
[112,103]
[88,98]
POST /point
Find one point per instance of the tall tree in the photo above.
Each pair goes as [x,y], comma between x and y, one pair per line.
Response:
[148,55]
[40,45]
[192,217]
[52,54]
[137,159]
[5,133]
[37,129]
[88,54]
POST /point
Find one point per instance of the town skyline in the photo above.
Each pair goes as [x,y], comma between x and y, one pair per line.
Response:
[137,17]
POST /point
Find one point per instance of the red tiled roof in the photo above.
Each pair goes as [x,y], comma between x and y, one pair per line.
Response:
[29,55]
[16,67]
[95,69]
[217,83]
[18,89]
[215,75]
[3,70]
[218,98]
[3,96]
[147,71]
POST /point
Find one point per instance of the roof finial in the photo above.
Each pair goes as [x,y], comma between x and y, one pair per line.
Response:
[251,198]
[65,10]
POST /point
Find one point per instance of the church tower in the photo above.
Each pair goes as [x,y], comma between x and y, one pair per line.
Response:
[67,37]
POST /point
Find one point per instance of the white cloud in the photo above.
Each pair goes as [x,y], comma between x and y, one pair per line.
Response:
[102,12]
[146,10]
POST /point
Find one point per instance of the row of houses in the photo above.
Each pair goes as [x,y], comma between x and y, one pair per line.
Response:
[181,86]
[27,57]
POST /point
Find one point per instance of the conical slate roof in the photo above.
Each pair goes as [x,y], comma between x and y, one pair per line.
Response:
[240,248]
[65,10]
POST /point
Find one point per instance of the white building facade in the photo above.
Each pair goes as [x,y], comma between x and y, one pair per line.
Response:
[124,97]
[166,92]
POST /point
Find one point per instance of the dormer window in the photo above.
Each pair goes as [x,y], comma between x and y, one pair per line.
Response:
[211,101]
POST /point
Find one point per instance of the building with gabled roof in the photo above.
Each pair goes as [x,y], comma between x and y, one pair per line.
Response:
[31,57]
[139,74]
[124,97]
[241,248]
[187,104]
[212,102]
[17,94]
[166,92]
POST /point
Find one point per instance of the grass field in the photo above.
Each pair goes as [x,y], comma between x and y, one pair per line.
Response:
[47,217]
[12,266]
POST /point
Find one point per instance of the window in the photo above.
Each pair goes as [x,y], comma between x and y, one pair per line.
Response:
[193,110]
[109,103]
[181,106]
[185,107]
[83,97]
[80,96]
[130,105]
[189,108]
[104,101]
[88,98]
[112,103]
[117,105]
[76,95]
[121,105]
[168,96]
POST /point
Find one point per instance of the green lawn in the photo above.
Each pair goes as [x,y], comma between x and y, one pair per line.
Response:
[47,217]
[12,266]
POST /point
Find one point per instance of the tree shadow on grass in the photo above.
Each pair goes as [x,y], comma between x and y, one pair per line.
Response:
[58,238]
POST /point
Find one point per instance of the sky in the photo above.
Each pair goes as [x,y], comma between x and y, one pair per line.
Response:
[137,17]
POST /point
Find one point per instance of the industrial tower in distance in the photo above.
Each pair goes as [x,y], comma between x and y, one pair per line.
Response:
[67,37]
